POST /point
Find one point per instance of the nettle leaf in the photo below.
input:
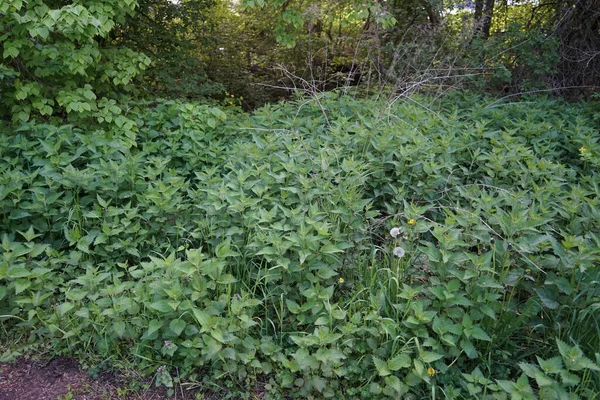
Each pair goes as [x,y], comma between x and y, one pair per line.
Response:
[119,328]
[64,308]
[542,379]
[334,356]
[153,327]
[177,326]
[21,285]
[162,306]
[399,361]
[326,273]
[551,366]
[480,334]
[398,388]
[530,369]
[382,367]
[429,356]
[469,349]
[305,360]
[547,297]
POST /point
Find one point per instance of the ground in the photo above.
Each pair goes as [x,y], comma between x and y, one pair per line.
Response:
[63,379]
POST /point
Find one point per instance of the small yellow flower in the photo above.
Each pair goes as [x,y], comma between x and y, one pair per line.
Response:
[582,149]
[412,221]
[430,371]
[231,103]
[232,95]
[370,267]
[341,280]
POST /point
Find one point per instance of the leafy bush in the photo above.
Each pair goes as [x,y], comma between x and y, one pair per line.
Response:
[332,247]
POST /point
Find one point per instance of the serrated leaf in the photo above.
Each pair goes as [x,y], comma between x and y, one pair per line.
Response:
[21,285]
[429,356]
[551,366]
[480,334]
[469,349]
[119,328]
[76,294]
[201,316]
[529,369]
[331,249]
[399,361]
[64,308]
[153,326]
[177,326]
[523,386]
[397,386]
[542,379]
[382,368]
[162,306]
[547,298]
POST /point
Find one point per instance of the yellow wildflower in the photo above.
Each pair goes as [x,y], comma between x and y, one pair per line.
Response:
[582,149]
[370,267]
[430,371]
[412,221]
[341,280]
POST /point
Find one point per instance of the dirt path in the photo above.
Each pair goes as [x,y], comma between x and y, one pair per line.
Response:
[62,379]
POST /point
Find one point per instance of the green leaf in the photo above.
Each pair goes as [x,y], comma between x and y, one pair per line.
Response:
[10,51]
[292,306]
[480,334]
[177,326]
[551,366]
[331,249]
[201,316]
[21,285]
[119,328]
[162,306]
[397,386]
[547,297]
[529,369]
[399,361]
[64,308]
[429,356]
[542,379]
[382,367]
[469,349]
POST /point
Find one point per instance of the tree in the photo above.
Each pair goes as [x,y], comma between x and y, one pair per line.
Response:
[55,61]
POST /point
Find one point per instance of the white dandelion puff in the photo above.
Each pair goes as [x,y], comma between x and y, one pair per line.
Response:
[399,252]
[395,232]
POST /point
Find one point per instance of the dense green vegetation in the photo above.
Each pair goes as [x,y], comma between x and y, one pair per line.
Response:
[235,248]
[392,238]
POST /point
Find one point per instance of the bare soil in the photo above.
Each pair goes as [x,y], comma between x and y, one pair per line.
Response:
[63,379]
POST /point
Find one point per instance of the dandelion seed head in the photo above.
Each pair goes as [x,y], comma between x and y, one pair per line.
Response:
[399,252]
[395,232]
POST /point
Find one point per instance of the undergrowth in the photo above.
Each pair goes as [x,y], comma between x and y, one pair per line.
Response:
[338,248]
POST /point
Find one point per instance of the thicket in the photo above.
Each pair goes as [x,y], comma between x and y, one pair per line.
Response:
[341,248]
[396,245]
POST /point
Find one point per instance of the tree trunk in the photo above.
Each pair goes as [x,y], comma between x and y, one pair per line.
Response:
[484,11]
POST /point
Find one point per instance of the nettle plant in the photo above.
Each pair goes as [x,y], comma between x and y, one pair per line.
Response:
[337,248]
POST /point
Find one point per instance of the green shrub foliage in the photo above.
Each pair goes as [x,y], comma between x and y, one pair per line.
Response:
[53,61]
[237,250]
